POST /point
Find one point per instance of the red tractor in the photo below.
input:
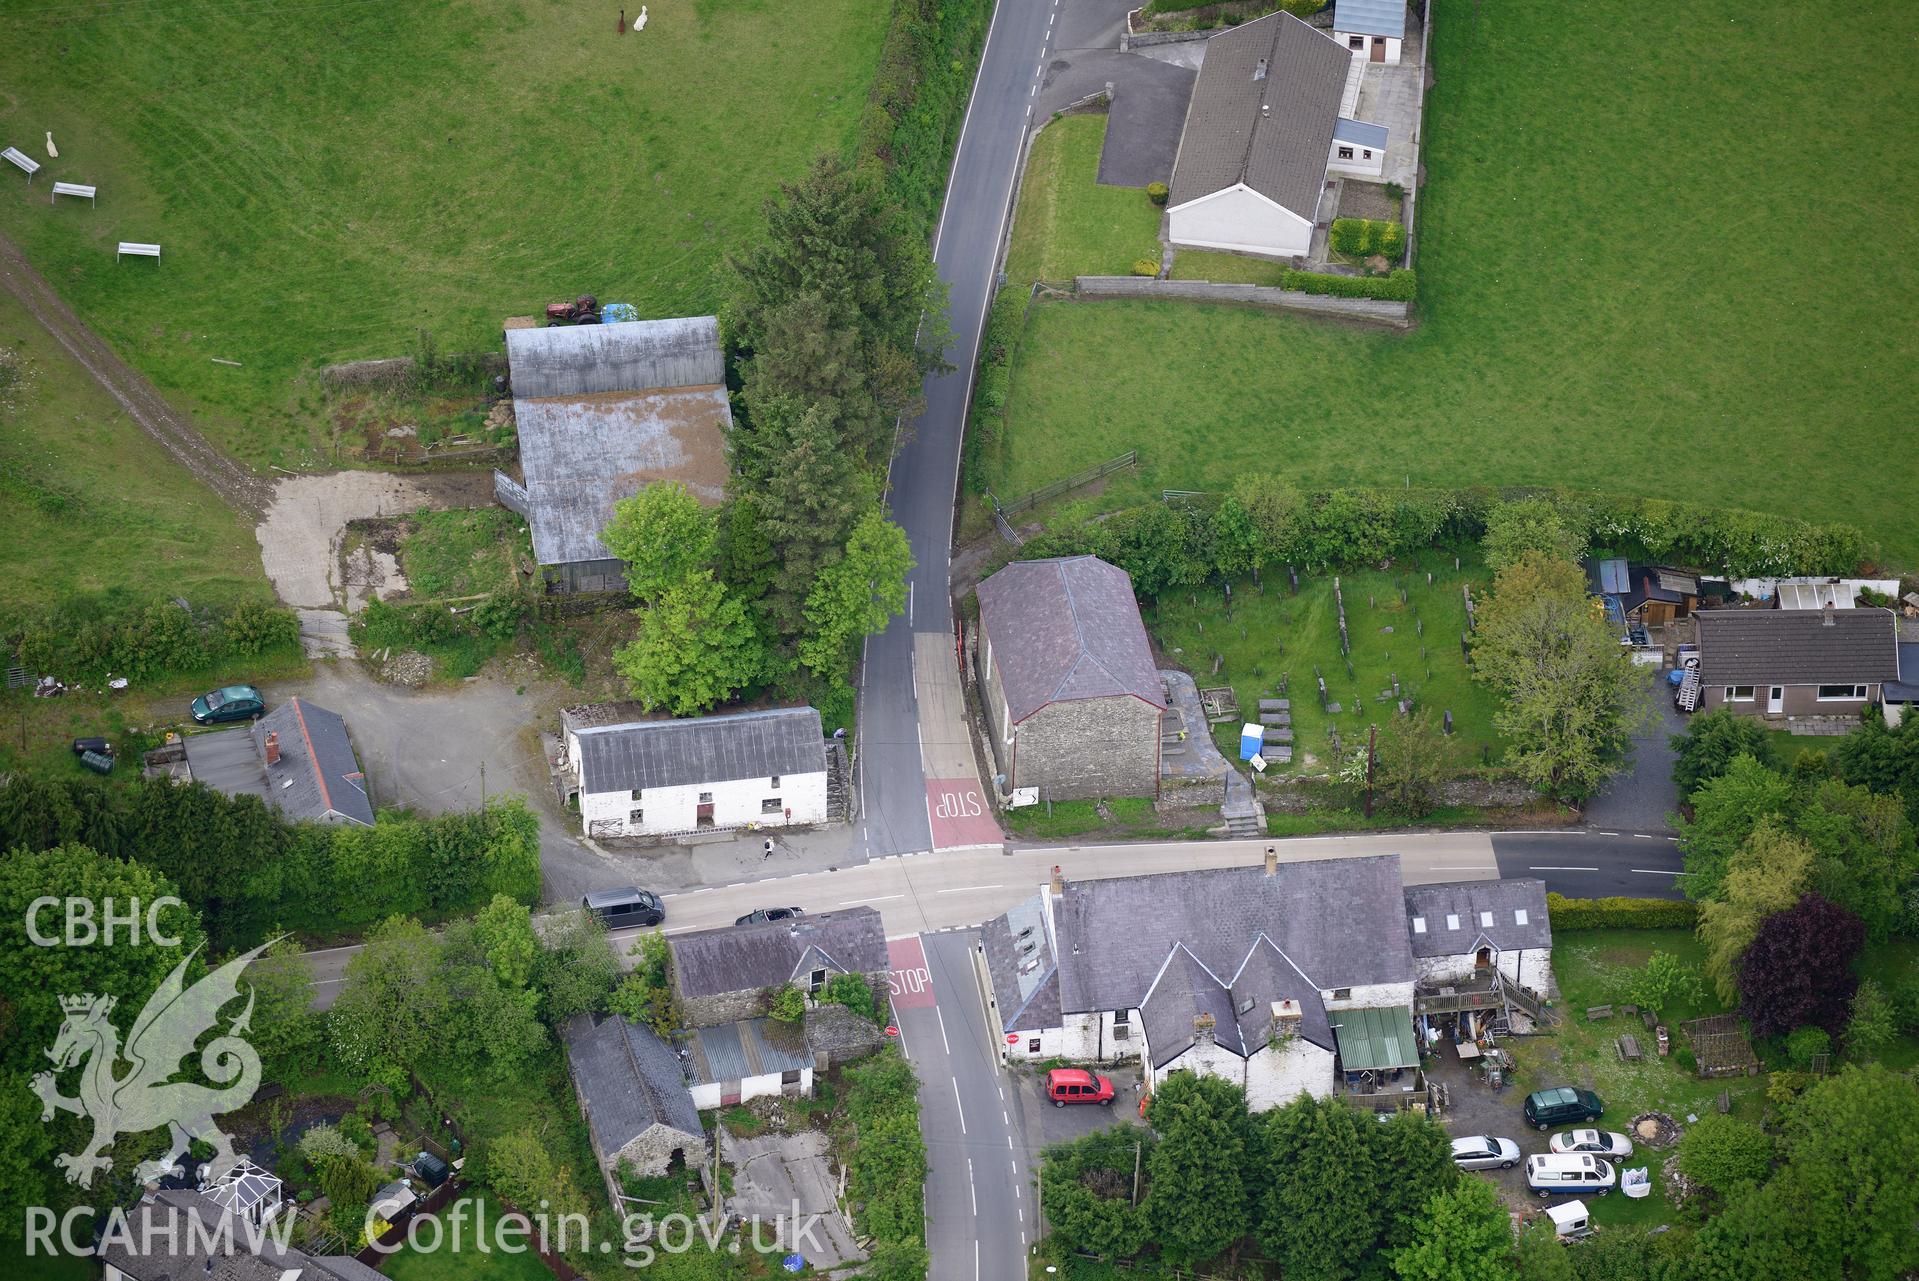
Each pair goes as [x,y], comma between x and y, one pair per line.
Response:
[584,310]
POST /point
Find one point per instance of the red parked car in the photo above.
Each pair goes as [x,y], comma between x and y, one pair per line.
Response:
[1071,1085]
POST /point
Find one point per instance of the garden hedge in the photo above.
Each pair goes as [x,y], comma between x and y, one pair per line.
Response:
[913,112]
[88,641]
[1621,913]
[1399,286]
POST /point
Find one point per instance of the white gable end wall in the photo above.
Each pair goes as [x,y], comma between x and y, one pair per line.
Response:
[1365,47]
[1530,968]
[1240,220]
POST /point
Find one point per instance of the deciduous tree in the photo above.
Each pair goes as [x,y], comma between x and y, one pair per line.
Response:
[1724,1153]
[1415,757]
[1767,875]
[664,535]
[1570,702]
[1726,809]
[1530,525]
[1316,1211]
[696,647]
[1712,742]
[855,596]
[1798,969]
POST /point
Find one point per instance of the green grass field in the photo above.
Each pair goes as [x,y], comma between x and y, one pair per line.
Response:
[1273,635]
[1067,224]
[89,505]
[328,181]
[1647,264]
[470,1262]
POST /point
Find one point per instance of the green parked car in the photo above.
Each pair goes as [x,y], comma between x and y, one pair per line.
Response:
[1562,1105]
[234,703]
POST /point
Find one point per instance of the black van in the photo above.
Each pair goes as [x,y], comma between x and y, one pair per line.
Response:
[628,905]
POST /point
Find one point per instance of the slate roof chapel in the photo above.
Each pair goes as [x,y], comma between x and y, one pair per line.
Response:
[1066,629]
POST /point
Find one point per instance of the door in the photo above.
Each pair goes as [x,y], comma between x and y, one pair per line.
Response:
[1379,48]
[1775,699]
[703,810]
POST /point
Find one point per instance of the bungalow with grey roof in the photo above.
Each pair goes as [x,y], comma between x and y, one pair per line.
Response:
[297,758]
[1264,127]
[1797,666]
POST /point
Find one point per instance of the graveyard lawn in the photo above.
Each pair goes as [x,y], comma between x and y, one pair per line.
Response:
[1068,225]
[328,183]
[1269,638]
[1666,300]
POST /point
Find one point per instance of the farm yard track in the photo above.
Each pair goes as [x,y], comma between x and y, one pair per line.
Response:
[143,402]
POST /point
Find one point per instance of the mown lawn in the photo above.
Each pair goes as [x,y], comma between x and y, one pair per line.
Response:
[91,506]
[1269,637]
[1067,224]
[328,182]
[466,1260]
[1645,266]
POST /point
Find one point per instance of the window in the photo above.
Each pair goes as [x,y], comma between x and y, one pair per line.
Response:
[1419,925]
[771,805]
[1841,693]
[815,981]
[1452,922]
[1739,693]
[1122,1017]
[1519,916]
[790,1077]
[636,794]
[1485,920]
[706,798]
[1355,42]
[1365,153]
[1342,994]
[636,818]
[1032,1045]
[1345,153]
[775,784]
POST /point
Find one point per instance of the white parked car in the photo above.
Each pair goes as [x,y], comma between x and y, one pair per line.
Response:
[1484,1152]
[1606,1143]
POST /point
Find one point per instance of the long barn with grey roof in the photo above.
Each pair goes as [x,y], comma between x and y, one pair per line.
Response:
[1263,129]
[633,777]
[722,975]
[1072,697]
[1287,978]
[634,1096]
[601,412]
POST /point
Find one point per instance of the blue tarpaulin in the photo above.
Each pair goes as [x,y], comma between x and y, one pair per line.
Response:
[1251,739]
[615,313]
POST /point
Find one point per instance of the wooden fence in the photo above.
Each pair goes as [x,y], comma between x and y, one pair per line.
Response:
[1026,502]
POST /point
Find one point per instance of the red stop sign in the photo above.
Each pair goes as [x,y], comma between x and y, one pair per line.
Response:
[1012,1038]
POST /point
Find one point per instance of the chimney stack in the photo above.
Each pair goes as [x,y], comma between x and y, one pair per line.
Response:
[1828,615]
[1286,1019]
[1272,860]
[1059,882]
[1259,73]
[1203,1029]
[273,747]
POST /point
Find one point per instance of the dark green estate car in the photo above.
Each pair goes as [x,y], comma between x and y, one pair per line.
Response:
[1564,1105]
[234,703]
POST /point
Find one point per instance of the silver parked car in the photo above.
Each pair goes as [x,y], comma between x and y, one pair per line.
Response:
[1484,1152]
[1607,1143]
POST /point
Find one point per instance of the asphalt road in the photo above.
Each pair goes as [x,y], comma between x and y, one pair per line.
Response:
[924,480]
[957,889]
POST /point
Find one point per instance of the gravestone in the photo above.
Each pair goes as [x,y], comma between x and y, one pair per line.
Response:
[1446,721]
[1293,576]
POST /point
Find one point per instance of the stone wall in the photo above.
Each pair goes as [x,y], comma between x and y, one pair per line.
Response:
[1192,794]
[746,1003]
[1397,315]
[1089,748]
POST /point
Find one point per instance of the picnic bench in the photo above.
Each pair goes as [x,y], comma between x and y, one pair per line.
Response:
[22,161]
[72,189]
[1596,1012]
[137,249]
[1629,1051]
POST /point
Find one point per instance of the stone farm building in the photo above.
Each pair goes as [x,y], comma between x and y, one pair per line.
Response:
[1804,667]
[1269,119]
[1287,979]
[700,773]
[603,411]
[1072,699]
[723,975]
[634,1097]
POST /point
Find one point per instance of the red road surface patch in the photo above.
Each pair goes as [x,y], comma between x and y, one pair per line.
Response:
[911,982]
[959,814]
